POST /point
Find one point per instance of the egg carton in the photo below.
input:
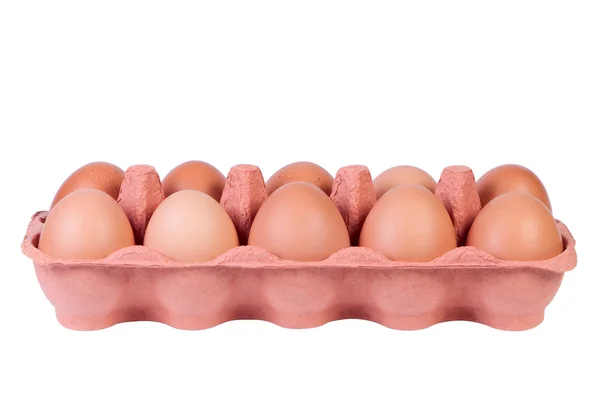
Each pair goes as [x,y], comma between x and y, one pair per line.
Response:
[248,282]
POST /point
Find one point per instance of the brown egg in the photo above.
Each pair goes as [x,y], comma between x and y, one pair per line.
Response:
[410,224]
[87,224]
[197,175]
[190,226]
[508,178]
[299,222]
[516,226]
[301,172]
[99,175]
[402,175]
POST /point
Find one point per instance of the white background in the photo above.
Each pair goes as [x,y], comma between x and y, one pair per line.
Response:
[271,82]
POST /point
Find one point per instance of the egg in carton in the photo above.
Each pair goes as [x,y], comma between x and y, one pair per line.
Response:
[137,283]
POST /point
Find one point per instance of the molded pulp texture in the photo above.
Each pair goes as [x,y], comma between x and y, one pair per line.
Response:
[248,282]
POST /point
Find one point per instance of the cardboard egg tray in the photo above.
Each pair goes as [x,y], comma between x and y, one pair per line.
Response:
[248,282]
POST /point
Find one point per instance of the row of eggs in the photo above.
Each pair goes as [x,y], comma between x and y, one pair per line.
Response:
[299,221]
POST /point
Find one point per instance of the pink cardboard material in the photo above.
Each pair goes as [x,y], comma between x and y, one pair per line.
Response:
[248,282]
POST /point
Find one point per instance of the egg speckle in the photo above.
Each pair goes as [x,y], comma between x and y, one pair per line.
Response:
[99,175]
[301,172]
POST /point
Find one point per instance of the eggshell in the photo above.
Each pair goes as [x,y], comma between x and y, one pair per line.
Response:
[198,175]
[516,226]
[87,224]
[99,175]
[301,172]
[508,178]
[407,175]
[409,223]
[299,222]
[190,226]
